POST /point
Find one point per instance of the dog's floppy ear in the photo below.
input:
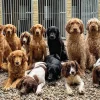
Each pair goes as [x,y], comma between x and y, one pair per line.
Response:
[14,29]
[34,86]
[10,57]
[32,30]
[21,38]
[87,26]
[68,27]
[78,69]
[24,58]
[94,75]
[4,29]
[81,27]
[43,30]
[29,39]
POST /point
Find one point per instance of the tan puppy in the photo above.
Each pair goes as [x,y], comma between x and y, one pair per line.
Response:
[11,37]
[37,45]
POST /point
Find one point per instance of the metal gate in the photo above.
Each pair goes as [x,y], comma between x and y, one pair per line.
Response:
[85,9]
[53,12]
[18,13]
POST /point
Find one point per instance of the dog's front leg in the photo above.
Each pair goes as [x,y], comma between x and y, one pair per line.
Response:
[81,85]
[15,83]
[8,84]
[39,88]
[44,51]
[68,89]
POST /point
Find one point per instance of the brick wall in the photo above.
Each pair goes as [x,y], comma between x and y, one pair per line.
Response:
[0,11]
[99,9]
[35,11]
[68,9]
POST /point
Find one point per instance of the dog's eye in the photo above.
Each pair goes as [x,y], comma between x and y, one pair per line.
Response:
[39,27]
[20,56]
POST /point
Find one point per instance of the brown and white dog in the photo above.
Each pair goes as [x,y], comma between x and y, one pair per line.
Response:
[11,37]
[96,73]
[25,39]
[72,72]
[93,37]
[34,80]
[37,45]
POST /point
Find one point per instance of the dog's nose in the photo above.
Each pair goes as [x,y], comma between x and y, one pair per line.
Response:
[37,33]
[17,63]
[72,73]
[75,29]
[8,31]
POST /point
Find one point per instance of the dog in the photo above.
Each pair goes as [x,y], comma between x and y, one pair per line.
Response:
[53,67]
[96,73]
[72,74]
[93,36]
[34,80]
[37,45]
[11,37]
[5,49]
[77,48]
[17,65]
[25,39]
[55,43]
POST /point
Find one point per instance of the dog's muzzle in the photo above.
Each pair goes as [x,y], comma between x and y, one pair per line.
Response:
[52,36]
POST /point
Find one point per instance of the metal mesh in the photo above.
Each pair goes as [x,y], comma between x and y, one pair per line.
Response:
[18,13]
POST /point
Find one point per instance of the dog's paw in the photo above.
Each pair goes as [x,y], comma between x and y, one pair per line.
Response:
[13,86]
[39,92]
[81,91]
[6,88]
[69,92]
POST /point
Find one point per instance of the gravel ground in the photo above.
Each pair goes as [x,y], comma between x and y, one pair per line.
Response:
[56,92]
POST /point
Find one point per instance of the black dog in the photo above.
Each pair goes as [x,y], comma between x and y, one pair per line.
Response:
[53,67]
[55,43]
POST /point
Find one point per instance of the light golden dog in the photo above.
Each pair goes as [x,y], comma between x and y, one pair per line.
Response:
[17,66]
[76,47]
[11,37]
[93,37]
[37,45]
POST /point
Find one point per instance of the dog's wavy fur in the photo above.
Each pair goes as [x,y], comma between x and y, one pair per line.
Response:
[76,47]
[25,46]
[93,37]
[17,66]
[37,45]
[5,49]
[11,37]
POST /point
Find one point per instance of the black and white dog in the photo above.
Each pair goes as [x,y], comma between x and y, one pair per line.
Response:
[53,67]
[55,43]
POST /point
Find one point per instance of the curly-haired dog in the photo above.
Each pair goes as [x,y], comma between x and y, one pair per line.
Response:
[4,48]
[17,66]
[55,43]
[11,37]
[76,47]
[72,74]
[25,39]
[34,80]
[37,44]
[93,37]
